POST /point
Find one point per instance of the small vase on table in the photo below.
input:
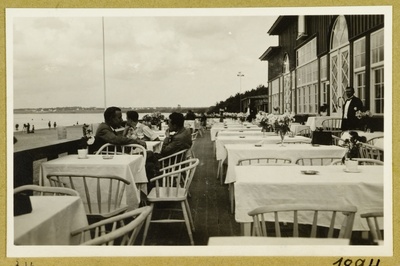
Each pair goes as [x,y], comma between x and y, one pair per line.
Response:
[282,135]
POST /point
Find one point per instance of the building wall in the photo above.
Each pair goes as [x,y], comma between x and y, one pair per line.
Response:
[319,27]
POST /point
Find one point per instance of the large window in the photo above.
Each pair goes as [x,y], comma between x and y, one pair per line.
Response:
[359,69]
[307,78]
[377,71]
[275,93]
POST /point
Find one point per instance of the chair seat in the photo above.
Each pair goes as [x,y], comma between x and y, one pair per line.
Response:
[167,194]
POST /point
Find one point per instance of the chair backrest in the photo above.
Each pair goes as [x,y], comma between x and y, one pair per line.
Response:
[306,132]
[373,224]
[101,195]
[333,125]
[337,140]
[371,152]
[112,149]
[47,191]
[373,141]
[172,159]
[176,180]
[361,161]
[194,136]
[298,213]
[115,230]
[317,161]
[264,161]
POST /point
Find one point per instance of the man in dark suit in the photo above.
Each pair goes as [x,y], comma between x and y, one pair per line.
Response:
[110,130]
[180,140]
[350,108]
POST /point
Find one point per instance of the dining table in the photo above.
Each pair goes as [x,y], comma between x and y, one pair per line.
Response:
[51,221]
[154,146]
[295,128]
[214,131]
[315,122]
[129,167]
[256,186]
[235,152]
[267,138]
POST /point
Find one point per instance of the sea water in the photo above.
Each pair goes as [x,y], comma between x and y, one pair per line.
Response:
[41,120]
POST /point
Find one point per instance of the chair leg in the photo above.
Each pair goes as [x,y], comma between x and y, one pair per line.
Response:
[187,222]
[146,227]
[190,215]
[218,169]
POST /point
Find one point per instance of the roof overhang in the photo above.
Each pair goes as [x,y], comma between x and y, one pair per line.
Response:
[280,24]
[272,50]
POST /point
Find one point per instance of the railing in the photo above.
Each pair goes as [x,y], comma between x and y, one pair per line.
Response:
[27,162]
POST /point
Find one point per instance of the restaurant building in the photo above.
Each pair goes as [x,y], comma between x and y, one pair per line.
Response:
[319,56]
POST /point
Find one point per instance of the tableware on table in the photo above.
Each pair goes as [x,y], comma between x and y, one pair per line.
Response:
[309,172]
[108,156]
[242,137]
[351,166]
[82,154]
[352,171]
[315,145]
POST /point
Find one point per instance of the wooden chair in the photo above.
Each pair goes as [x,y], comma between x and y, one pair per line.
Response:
[373,141]
[264,161]
[337,141]
[172,159]
[371,152]
[101,195]
[361,161]
[304,214]
[304,132]
[128,149]
[46,191]
[373,224]
[194,137]
[173,187]
[122,229]
[317,161]
[333,125]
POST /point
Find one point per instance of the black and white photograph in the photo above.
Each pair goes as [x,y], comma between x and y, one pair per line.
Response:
[145,132]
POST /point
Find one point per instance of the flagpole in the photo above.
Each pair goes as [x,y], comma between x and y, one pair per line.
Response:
[104,68]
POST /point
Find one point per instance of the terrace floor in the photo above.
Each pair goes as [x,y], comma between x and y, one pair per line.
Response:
[209,203]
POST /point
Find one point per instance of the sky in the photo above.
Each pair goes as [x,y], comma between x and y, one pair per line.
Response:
[149,61]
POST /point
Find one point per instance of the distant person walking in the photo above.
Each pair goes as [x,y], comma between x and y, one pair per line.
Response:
[49,124]
[55,124]
[16,127]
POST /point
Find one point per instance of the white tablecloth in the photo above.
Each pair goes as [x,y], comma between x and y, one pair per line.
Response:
[51,221]
[270,138]
[316,121]
[214,130]
[129,167]
[296,128]
[154,146]
[290,151]
[260,185]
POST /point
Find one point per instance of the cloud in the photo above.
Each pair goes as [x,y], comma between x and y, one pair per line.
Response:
[149,61]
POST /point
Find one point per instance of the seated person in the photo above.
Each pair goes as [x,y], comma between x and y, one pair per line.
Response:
[107,131]
[177,137]
[190,115]
[136,130]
